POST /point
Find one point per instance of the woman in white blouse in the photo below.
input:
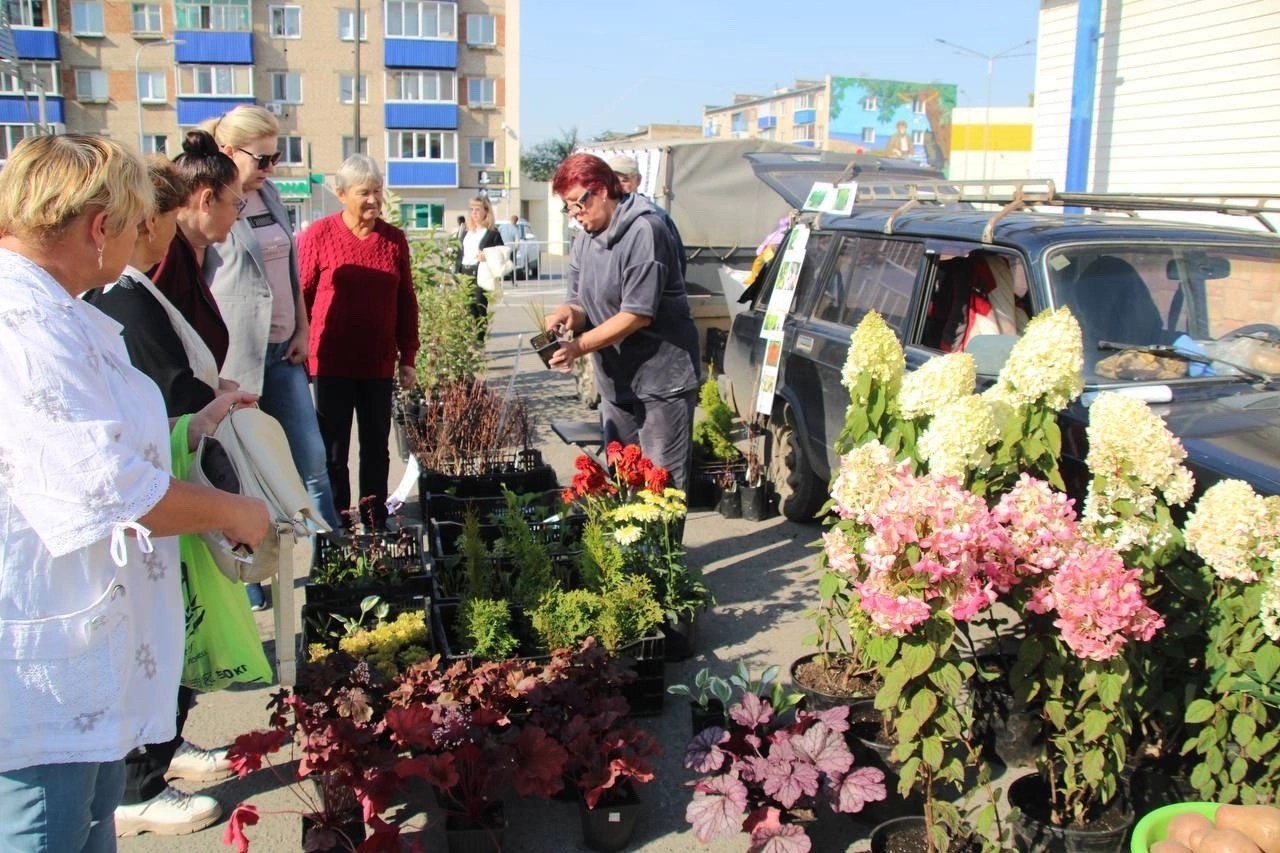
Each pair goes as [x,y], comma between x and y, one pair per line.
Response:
[91,616]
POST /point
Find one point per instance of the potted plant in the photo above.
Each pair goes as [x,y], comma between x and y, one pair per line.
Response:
[334,720]
[1233,721]
[714,450]
[632,524]
[763,775]
[709,696]
[730,498]
[388,564]
[754,486]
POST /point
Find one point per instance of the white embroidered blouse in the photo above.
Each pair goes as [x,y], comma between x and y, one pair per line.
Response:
[91,614]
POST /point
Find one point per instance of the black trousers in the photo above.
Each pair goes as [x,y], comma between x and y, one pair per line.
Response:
[338,398]
[145,766]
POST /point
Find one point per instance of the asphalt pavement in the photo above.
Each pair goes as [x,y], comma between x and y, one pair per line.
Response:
[762,574]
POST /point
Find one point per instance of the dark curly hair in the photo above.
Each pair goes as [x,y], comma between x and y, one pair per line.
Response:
[203,164]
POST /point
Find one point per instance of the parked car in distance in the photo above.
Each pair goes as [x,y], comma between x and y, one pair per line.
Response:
[526,251]
[1206,298]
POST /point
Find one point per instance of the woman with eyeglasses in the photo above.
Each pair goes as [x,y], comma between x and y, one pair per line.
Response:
[481,234]
[212,204]
[253,273]
[626,305]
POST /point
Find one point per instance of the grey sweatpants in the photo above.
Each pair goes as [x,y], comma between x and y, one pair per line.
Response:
[662,427]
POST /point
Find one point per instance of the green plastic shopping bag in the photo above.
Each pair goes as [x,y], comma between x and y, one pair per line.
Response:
[223,646]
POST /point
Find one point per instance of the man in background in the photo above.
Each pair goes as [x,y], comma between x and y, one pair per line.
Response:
[628,172]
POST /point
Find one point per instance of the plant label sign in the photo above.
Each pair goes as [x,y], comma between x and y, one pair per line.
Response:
[773,329]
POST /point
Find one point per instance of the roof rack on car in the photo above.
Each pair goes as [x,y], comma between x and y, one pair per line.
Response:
[1016,195]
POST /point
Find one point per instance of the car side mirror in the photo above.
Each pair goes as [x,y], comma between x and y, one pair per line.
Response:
[990,352]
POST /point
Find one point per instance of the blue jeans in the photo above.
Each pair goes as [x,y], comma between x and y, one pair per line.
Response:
[287,398]
[51,808]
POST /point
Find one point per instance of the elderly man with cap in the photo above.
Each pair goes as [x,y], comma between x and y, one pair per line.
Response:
[628,172]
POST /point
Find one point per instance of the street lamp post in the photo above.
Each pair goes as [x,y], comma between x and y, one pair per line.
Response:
[137,58]
[991,61]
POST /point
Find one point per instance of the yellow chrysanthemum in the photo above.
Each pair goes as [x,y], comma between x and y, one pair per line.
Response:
[936,383]
[874,348]
[628,534]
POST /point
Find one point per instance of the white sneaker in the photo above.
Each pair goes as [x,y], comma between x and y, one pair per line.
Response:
[195,764]
[169,812]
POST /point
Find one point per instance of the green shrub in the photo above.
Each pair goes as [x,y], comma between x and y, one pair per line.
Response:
[487,624]
[564,619]
[452,340]
[713,434]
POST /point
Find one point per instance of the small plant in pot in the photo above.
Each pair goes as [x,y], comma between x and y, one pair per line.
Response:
[754,487]
[763,775]
[709,696]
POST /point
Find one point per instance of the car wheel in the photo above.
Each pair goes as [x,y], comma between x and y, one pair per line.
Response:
[800,492]
[584,375]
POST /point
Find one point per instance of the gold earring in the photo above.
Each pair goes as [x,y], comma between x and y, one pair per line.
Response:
[100,250]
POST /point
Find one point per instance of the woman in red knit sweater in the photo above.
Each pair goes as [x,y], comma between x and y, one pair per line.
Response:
[358,287]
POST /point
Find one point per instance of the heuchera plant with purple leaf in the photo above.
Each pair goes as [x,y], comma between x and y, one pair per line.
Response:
[762,771]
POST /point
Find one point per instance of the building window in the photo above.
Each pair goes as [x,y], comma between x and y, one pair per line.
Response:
[422,20]
[286,22]
[348,149]
[86,19]
[292,151]
[481,92]
[482,31]
[32,73]
[802,132]
[215,80]
[155,143]
[804,102]
[220,15]
[11,135]
[869,135]
[91,87]
[433,86]
[917,137]
[871,103]
[344,88]
[151,87]
[481,152]
[346,25]
[146,18]
[28,13]
[286,87]
[422,214]
[423,145]
[917,106]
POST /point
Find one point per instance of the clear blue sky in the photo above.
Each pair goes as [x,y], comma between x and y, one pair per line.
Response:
[613,66]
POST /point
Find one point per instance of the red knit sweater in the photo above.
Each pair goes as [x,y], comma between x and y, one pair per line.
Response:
[359,294]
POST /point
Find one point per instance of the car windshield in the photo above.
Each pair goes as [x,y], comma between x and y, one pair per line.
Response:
[1218,302]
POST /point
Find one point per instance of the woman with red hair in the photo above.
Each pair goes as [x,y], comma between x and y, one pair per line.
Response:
[626,305]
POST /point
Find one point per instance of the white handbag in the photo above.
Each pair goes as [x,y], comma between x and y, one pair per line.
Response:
[248,454]
[495,265]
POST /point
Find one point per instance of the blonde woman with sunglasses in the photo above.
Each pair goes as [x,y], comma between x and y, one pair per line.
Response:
[253,275]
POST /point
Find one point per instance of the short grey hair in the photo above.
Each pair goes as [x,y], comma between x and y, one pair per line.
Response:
[357,171]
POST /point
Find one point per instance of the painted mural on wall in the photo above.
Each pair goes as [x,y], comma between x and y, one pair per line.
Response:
[893,118]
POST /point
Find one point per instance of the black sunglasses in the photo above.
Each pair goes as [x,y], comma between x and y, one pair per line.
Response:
[263,160]
[576,207]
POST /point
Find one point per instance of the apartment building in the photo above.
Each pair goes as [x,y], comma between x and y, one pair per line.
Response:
[431,90]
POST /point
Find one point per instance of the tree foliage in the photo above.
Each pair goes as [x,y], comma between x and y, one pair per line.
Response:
[539,162]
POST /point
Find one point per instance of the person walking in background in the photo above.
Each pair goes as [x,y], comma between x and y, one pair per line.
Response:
[357,282]
[481,234]
[162,344]
[253,274]
[90,601]
[628,172]
[626,304]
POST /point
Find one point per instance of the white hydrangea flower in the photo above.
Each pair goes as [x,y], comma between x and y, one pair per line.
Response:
[958,437]
[1045,363]
[937,382]
[1229,527]
[874,348]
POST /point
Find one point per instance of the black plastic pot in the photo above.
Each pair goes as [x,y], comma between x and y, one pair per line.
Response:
[462,837]
[701,718]
[731,503]
[340,836]
[610,826]
[755,502]
[682,636]
[1033,832]
[815,699]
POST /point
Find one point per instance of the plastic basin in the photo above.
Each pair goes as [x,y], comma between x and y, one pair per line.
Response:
[1154,825]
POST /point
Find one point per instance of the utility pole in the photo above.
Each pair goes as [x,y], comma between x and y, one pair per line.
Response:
[355,89]
[990,59]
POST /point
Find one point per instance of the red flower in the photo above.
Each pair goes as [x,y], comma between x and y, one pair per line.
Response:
[656,479]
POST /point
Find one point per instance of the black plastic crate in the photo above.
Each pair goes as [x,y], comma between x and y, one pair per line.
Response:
[448,642]
[521,472]
[647,658]
[404,568]
[452,573]
[562,535]
[442,507]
